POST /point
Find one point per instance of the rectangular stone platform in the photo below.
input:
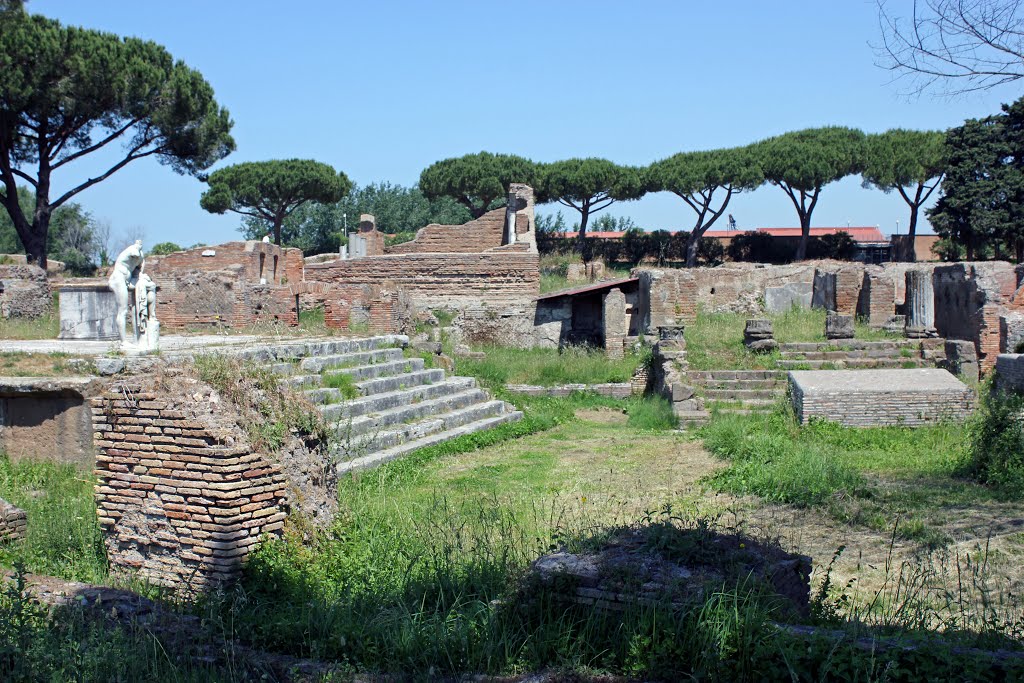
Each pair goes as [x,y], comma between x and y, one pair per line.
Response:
[878,398]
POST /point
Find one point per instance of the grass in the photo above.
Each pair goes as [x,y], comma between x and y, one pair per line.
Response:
[554,267]
[342,381]
[714,341]
[878,477]
[43,327]
[548,367]
[22,364]
[63,537]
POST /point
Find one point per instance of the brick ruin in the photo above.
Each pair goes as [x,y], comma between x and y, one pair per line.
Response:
[231,285]
[24,292]
[485,267]
[977,302]
[182,497]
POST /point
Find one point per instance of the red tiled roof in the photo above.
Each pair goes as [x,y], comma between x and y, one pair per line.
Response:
[608,284]
[607,235]
[859,234]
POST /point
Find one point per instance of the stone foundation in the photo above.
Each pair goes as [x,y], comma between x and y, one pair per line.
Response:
[879,398]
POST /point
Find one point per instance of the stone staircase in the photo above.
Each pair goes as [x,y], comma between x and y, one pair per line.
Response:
[854,354]
[740,391]
[383,405]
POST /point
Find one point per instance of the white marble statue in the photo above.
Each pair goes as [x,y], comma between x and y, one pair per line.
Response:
[133,288]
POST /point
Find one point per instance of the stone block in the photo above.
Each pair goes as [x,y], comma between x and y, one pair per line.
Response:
[763,345]
[1011,332]
[962,359]
[88,310]
[876,398]
[784,297]
[839,326]
[759,328]
[895,324]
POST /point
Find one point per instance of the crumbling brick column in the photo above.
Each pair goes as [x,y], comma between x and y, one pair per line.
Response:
[181,500]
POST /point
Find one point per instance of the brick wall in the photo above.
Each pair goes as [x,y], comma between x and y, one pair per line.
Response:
[442,280]
[252,261]
[13,522]
[383,309]
[221,298]
[477,235]
[969,299]
[181,497]
[224,289]
[877,302]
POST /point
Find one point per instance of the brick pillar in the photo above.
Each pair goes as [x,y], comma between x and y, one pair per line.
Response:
[178,501]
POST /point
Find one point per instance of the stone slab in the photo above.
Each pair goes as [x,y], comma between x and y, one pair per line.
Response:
[876,398]
[792,295]
[88,310]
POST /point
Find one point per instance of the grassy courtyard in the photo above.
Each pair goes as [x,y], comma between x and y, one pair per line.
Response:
[422,573]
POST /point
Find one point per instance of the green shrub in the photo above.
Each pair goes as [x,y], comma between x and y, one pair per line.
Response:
[996,451]
[342,381]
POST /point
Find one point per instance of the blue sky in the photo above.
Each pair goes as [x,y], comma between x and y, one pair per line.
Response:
[381,90]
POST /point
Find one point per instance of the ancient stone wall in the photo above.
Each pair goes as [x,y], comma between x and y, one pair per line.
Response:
[382,309]
[434,280]
[969,299]
[877,300]
[670,296]
[47,419]
[181,496]
[477,235]
[24,292]
[232,285]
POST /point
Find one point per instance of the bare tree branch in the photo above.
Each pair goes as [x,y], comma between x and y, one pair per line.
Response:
[958,46]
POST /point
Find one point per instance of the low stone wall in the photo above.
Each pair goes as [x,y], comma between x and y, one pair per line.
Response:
[24,292]
[13,523]
[47,419]
[182,498]
[613,389]
[878,398]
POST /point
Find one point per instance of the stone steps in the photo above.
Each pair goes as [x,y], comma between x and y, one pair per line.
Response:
[370,460]
[339,409]
[771,384]
[321,363]
[395,435]
[401,404]
[362,424]
[842,355]
[849,344]
[744,395]
[691,419]
[704,375]
[855,363]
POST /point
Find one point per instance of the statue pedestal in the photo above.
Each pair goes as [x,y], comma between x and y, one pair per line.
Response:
[88,310]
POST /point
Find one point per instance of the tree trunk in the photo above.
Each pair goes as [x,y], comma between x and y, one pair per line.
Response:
[581,236]
[692,242]
[277,230]
[805,236]
[909,252]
